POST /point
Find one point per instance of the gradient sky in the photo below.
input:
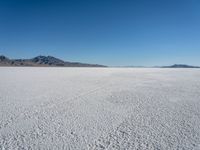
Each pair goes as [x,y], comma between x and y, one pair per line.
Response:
[110,32]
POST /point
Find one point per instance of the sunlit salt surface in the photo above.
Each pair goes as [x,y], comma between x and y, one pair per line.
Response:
[99,108]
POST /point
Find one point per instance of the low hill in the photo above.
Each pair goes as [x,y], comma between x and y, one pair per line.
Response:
[43,61]
[180,66]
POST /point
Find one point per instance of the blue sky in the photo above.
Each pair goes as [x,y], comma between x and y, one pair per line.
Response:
[110,32]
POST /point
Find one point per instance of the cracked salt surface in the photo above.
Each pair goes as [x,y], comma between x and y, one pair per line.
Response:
[99,108]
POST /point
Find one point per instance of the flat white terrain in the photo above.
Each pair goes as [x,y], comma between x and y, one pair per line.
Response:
[99,108]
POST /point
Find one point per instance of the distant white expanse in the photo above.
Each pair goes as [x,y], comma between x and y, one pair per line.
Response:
[99,108]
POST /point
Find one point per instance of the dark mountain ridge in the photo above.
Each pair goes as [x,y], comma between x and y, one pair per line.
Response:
[43,61]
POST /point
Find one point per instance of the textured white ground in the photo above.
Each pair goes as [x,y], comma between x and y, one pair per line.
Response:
[99,108]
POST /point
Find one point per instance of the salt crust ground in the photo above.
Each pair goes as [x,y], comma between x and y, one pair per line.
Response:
[99,108]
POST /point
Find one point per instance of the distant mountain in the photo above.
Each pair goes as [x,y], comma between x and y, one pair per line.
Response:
[180,66]
[43,61]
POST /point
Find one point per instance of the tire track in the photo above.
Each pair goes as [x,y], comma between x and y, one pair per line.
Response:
[37,109]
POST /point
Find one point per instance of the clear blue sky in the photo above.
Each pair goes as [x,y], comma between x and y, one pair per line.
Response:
[110,32]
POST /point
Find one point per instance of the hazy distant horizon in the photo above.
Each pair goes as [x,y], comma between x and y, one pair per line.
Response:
[119,66]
